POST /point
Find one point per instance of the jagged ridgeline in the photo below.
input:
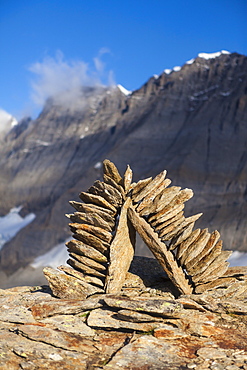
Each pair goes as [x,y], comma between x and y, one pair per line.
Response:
[104,227]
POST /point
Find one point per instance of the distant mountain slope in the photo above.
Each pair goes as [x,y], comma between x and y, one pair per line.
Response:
[191,121]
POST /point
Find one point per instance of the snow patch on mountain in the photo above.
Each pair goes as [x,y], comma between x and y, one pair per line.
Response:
[206,56]
[167,71]
[55,257]
[212,55]
[42,143]
[12,223]
[238,259]
[191,61]
[174,69]
[123,90]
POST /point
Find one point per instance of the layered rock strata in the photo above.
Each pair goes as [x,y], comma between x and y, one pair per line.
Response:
[104,228]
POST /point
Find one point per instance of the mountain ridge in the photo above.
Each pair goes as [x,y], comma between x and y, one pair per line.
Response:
[191,121]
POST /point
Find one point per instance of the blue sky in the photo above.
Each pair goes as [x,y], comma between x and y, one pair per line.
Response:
[124,42]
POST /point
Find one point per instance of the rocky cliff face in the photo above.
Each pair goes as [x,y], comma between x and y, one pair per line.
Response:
[191,122]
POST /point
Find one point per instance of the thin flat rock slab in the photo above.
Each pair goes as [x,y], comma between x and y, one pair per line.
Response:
[58,338]
[88,262]
[111,170]
[159,249]
[236,271]
[84,268]
[127,179]
[214,274]
[107,189]
[23,353]
[157,306]
[135,316]
[92,219]
[148,204]
[110,181]
[166,197]
[182,197]
[92,240]
[70,324]
[150,186]
[148,352]
[212,271]
[68,287]
[179,228]
[75,246]
[236,290]
[192,264]
[95,230]
[79,275]
[98,200]
[64,306]
[199,243]
[139,186]
[107,192]
[206,261]
[105,213]
[170,227]
[16,314]
[223,282]
[173,212]
[181,236]
[103,318]
[121,252]
[182,247]
[195,250]
[178,216]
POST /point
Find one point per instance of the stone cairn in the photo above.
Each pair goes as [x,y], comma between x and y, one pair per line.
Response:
[104,228]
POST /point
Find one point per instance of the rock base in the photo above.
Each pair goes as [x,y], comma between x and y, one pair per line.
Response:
[143,327]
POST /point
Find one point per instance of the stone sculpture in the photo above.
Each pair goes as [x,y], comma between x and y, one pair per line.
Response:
[104,226]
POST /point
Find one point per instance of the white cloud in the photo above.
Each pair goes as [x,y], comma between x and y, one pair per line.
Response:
[99,64]
[63,80]
[6,121]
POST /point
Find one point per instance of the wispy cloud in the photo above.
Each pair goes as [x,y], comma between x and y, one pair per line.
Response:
[6,121]
[63,79]
[98,62]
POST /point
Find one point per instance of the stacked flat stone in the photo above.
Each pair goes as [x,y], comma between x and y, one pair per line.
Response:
[104,228]
[94,227]
[196,255]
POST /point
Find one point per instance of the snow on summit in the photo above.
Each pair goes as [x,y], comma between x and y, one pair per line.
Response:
[167,71]
[176,68]
[123,90]
[213,55]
